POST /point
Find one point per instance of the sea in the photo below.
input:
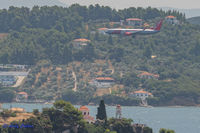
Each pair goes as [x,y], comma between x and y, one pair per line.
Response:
[179,119]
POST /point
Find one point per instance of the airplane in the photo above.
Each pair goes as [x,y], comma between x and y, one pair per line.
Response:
[133,32]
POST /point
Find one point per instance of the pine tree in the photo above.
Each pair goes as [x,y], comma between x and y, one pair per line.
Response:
[101,111]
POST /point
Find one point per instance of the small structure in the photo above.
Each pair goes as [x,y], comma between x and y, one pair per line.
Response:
[103,82]
[102,30]
[21,96]
[18,110]
[141,94]
[79,43]
[9,78]
[86,114]
[171,20]
[147,75]
[118,112]
[134,21]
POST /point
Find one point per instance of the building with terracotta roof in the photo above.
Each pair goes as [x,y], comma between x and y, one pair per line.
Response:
[102,82]
[86,114]
[81,42]
[21,96]
[134,21]
[141,94]
[147,75]
[171,20]
[102,30]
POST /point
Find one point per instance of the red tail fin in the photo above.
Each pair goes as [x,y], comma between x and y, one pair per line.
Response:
[159,25]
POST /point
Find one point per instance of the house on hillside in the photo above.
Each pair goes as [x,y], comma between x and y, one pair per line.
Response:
[141,94]
[10,78]
[21,96]
[147,75]
[86,114]
[134,21]
[102,30]
[80,43]
[171,20]
[7,80]
[103,82]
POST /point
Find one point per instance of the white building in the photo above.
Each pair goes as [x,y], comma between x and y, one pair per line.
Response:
[171,20]
[21,96]
[134,21]
[79,43]
[10,78]
[141,94]
[103,82]
[86,114]
[102,30]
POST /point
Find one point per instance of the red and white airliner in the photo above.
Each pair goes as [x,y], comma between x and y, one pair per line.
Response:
[133,32]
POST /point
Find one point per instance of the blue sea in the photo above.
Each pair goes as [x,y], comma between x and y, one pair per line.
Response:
[180,119]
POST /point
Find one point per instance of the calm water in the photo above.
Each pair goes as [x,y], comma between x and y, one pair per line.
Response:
[180,119]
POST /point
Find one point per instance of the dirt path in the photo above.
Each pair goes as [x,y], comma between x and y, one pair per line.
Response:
[36,78]
[111,67]
[110,90]
[75,81]
[20,80]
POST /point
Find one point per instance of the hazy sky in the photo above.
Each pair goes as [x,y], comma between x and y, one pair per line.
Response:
[119,4]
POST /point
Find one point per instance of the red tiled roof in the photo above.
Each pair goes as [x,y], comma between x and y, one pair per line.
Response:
[22,93]
[170,17]
[83,108]
[81,40]
[102,28]
[133,19]
[104,78]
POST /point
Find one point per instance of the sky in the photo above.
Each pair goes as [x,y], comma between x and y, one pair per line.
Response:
[120,4]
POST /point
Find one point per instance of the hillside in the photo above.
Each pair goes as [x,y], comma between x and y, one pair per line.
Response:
[194,20]
[189,13]
[5,4]
[44,38]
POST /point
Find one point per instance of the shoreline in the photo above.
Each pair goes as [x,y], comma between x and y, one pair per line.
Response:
[46,103]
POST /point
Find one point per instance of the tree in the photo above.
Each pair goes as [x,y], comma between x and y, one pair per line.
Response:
[148,52]
[6,95]
[63,116]
[121,125]
[101,111]
[162,130]
[147,130]
[110,41]
[40,124]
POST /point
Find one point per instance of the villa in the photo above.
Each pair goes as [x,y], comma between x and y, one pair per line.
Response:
[102,82]
[86,114]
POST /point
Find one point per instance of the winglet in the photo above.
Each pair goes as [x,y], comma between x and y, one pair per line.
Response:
[159,25]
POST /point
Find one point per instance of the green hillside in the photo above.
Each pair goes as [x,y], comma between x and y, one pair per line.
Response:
[43,37]
[194,20]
